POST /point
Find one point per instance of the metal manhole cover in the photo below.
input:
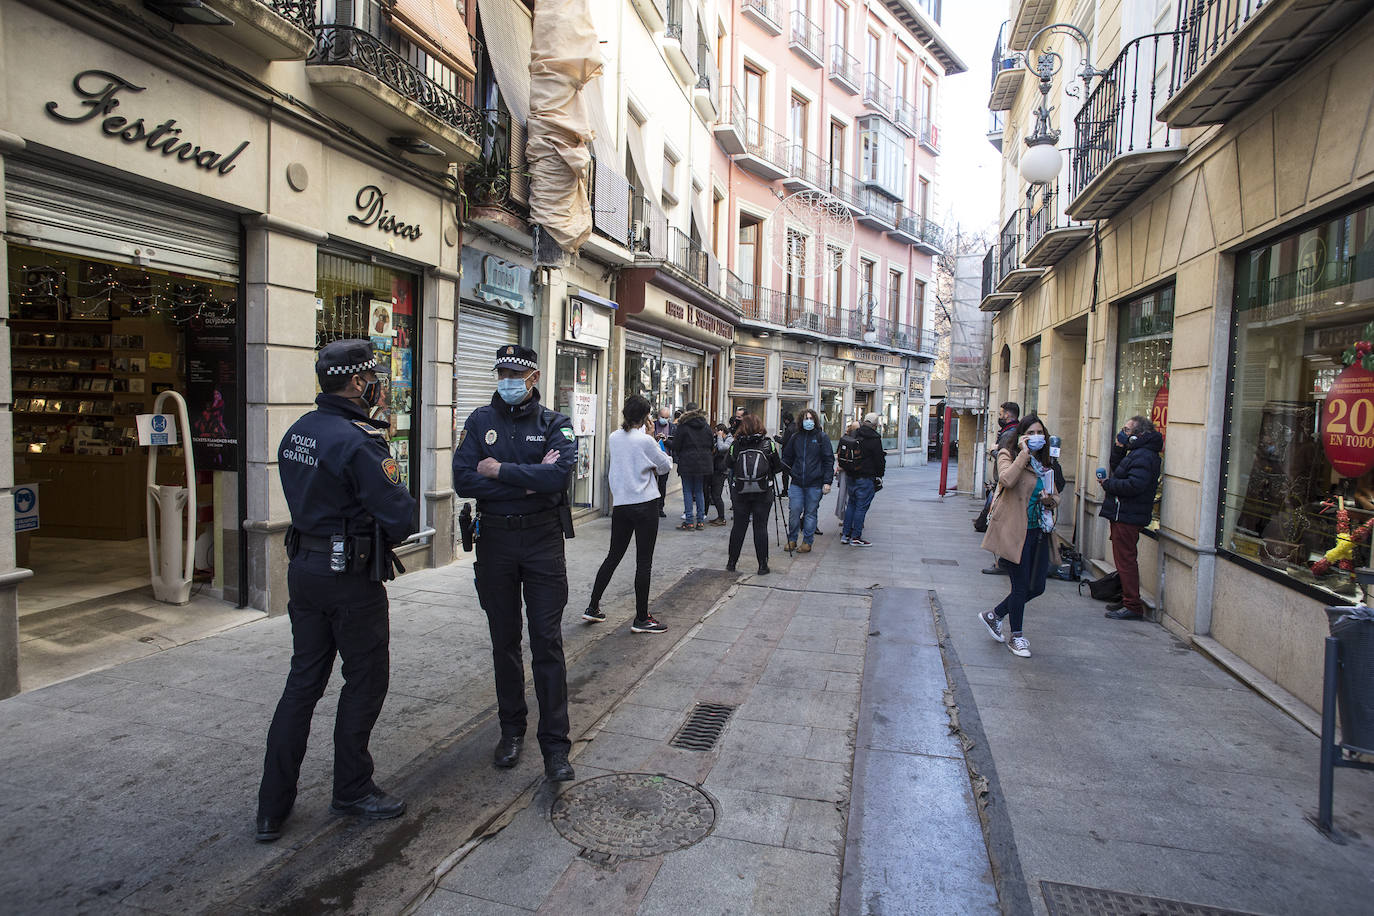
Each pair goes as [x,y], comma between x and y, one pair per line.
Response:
[1073,900]
[633,815]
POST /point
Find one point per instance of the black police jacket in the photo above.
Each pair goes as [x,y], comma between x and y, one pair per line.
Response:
[336,468]
[518,437]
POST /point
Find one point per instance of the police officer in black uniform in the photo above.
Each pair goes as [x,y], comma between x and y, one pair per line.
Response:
[515,458]
[348,508]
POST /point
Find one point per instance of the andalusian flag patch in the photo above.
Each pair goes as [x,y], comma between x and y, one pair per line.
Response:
[567,432]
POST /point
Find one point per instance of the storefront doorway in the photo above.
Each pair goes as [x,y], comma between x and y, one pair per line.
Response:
[863,404]
[576,397]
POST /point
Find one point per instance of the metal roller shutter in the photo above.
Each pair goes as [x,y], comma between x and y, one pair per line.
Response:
[105,218]
[480,334]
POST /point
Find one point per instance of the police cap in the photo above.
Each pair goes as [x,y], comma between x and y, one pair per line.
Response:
[344,358]
[514,356]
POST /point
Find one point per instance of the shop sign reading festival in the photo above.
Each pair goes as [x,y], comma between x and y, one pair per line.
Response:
[99,89]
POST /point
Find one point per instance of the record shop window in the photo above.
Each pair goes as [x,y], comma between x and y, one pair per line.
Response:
[1298,494]
[358,299]
[1144,348]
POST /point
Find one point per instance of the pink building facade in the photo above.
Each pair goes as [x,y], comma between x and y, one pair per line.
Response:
[824,209]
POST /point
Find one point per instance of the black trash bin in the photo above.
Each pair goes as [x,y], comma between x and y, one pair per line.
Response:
[1353,628]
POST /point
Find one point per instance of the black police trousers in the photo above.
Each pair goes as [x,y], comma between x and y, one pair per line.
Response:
[330,614]
[532,559]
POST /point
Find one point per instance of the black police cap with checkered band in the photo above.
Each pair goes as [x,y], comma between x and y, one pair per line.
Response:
[345,357]
[514,356]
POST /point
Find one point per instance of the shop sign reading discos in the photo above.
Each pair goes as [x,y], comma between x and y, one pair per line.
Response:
[370,201]
[1348,422]
[99,90]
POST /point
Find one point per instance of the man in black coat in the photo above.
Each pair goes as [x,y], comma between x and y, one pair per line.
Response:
[1129,505]
[692,445]
[864,481]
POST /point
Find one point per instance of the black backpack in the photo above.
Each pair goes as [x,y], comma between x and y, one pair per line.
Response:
[849,456]
[750,470]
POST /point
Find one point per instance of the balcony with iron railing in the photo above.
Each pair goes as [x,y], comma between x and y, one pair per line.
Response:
[925,235]
[806,39]
[997,125]
[273,29]
[729,127]
[880,211]
[766,13]
[1031,16]
[648,230]
[992,300]
[680,40]
[706,95]
[1012,274]
[1232,52]
[904,116]
[1120,147]
[928,135]
[844,70]
[877,94]
[379,74]
[847,189]
[1050,234]
[612,201]
[807,171]
[498,178]
[791,313]
[766,152]
[1007,74]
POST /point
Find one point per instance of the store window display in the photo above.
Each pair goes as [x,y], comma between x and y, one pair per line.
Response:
[1145,346]
[360,299]
[1298,495]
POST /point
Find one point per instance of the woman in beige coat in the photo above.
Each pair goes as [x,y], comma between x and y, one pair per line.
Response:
[1019,527]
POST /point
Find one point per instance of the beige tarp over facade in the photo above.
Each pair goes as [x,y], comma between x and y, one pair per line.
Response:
[564,57]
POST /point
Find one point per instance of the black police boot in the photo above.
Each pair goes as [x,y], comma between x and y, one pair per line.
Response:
[268,828]
[375,807]
[557,768]
[507,752]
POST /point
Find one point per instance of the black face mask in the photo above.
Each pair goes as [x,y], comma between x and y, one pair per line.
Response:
[372,392]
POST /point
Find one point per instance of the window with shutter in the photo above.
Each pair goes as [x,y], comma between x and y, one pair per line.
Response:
[750,371]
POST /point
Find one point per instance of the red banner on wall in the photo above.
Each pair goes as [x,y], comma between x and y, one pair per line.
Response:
[1159,410]
[1348,422]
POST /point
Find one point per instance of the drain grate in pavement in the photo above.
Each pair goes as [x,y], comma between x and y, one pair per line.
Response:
[1075,900]
[702,729]
[633,815]
[934,562]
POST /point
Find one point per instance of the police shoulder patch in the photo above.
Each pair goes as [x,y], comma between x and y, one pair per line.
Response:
[567,432]
[370,429]
[391,469]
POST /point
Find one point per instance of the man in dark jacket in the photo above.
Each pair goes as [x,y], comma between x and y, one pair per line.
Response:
[1129,505]
[864,481]
[692,446]
[811,458]
[789,429]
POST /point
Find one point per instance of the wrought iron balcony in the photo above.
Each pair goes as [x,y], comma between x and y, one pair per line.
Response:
[1050,235]
[1120,147]
[847,189]
[680,40]
[904,116]
[706,96]
[997,126]
[1232,52]
[844,69]
[877,94]
[766,152]
[992,300]
[1012,274]
[498,178]
[648,230]
[880,212]
[300,13]
[612,197]
[729,126]
[807,171]
[765,13]
[923,234]
[369,68]
[274,29]
[807,39]
[929,135]
[1007,74]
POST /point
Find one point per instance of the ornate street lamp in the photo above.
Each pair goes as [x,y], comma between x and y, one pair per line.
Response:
[1042,161]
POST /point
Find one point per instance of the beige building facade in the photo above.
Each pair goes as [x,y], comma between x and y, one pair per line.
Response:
[1204,259]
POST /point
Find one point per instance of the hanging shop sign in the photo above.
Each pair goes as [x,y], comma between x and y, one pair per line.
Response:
[1348,422]
[588,324]
[494,281]
[710,323]
[99,93]
[371,203]
[796,375]
[868,356]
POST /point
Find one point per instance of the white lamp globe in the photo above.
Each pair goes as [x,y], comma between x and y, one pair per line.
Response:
[1041,163]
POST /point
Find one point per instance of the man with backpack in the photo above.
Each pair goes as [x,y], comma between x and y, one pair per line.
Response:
[754,463]
[864,462]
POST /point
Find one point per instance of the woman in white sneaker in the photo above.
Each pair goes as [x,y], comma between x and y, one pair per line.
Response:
[1019,527]
[636,462]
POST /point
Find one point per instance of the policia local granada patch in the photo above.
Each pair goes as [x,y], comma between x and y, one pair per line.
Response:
[392,470]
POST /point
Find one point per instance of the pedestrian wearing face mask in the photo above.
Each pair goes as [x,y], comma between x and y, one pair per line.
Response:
[1129,505]
[811,458]
[1019,527]
[515,457]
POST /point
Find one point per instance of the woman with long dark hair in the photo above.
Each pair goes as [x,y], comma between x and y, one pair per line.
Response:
[754,465]
[636,463]
[1019,527]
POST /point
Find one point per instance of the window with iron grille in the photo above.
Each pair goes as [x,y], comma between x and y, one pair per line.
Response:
[750,371]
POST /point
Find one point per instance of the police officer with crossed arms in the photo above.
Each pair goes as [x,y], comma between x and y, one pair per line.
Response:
[348,508]
[515,458]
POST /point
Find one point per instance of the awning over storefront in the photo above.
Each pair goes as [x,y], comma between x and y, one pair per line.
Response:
[437,27]
[509,34]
